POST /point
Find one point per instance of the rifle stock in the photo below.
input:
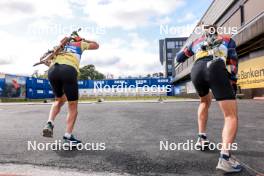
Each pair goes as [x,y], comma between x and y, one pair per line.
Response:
[47,57]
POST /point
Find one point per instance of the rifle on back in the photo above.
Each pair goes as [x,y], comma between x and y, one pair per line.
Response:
[50,54]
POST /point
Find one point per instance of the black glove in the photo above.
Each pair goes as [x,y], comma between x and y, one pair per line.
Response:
[234,86]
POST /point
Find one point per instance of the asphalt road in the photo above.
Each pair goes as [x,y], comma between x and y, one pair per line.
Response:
[132,133]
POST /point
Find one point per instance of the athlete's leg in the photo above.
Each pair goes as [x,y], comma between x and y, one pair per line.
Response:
[199,80]
[224,94]
[56,107]
[205,103]
[71,118]
[56,84]
[226,162]
[70,88]
[200,83]
[54,75]
[72,115]
[229,109]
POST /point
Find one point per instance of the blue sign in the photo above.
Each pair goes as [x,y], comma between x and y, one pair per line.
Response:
[41,88]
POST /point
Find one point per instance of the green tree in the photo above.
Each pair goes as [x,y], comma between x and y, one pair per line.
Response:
[36,74]
[89,72]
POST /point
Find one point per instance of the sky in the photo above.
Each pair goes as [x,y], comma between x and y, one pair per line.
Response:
[127,31]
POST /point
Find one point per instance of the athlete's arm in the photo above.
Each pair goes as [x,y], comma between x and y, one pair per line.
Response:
[89,45]
[93,46]
[185,54]
[232,61]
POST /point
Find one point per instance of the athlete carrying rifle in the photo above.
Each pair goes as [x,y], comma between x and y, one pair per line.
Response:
[63,71]
[215,68]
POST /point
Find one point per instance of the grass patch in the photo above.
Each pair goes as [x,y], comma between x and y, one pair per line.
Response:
[20,100]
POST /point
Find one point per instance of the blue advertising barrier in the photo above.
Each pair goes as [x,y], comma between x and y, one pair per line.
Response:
[29,82]
[37,94]
[47,85]
[40,83]
[41,88]
[160,81]
[128,82]
[2,83]
[49,94]
[37,88]
[82,84]
[36,83]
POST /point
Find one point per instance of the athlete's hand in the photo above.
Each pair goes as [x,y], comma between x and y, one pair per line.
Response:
[234,86]
[217,42]
[213,52]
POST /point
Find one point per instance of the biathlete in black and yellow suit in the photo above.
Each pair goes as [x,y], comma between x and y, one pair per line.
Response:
[63,77]
[215,68]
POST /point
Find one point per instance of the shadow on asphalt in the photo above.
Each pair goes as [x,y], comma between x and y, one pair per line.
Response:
[139,163]
[67,153]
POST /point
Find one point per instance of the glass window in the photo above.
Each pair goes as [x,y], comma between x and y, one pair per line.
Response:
[169,55]
[180,43]
[170,45]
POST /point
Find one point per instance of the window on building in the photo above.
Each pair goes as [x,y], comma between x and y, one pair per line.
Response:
[176,44]
[169,55]
[170,45]
[252,8]
[169,68]
[180,43]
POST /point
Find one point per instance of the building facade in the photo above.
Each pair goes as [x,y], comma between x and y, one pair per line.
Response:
[248,17]
[168,48]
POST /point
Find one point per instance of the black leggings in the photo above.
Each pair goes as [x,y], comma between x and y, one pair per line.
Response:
[63,80]
[212,74]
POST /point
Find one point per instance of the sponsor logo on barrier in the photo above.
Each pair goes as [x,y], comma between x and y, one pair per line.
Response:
[251,73]
[40,81]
